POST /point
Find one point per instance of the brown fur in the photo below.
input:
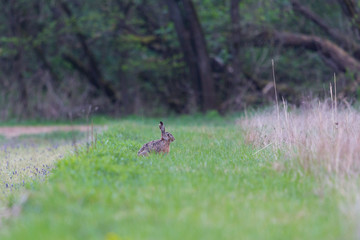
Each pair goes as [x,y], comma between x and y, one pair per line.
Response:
[158,146]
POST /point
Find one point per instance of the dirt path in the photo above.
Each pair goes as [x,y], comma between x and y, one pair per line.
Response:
[16,131]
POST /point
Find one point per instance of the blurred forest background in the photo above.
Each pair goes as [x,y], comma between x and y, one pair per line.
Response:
[58,57]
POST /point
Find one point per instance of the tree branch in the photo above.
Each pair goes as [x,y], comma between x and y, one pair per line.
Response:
[348,43]
[349,8]
[92,72]
[97,83]
[340,58]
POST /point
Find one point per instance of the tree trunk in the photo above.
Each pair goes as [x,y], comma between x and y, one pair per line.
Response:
[235,38]
[207,81]
[186,45]
[193,45]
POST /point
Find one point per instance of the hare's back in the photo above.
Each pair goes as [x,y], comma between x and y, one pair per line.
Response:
[150,146]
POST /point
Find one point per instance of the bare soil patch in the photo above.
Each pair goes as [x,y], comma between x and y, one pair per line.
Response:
[10,132]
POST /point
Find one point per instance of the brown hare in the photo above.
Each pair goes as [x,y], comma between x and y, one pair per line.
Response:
[159,146]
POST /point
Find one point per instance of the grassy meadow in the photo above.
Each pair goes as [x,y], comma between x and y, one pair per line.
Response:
[210,186]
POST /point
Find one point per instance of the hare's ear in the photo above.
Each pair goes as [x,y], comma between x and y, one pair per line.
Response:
[162,128]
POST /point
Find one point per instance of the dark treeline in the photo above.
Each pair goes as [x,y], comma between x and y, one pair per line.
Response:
[182,56]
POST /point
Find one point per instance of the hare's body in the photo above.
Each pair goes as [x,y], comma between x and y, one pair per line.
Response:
[158,146]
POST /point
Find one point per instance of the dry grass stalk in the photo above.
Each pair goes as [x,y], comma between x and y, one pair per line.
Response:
[319,137]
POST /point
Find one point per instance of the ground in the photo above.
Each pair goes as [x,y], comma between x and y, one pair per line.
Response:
[16,131]
[210,186]
[27,155]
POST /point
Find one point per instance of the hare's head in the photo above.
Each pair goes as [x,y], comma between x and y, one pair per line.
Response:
[165,135]
[168,137]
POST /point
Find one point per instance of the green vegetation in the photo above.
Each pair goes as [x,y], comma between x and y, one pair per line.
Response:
[210,186]
[120,57]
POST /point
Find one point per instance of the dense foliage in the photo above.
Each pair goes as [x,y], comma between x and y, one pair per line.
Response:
[58,57]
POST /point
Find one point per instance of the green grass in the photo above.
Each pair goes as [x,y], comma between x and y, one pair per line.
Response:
[210,186]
